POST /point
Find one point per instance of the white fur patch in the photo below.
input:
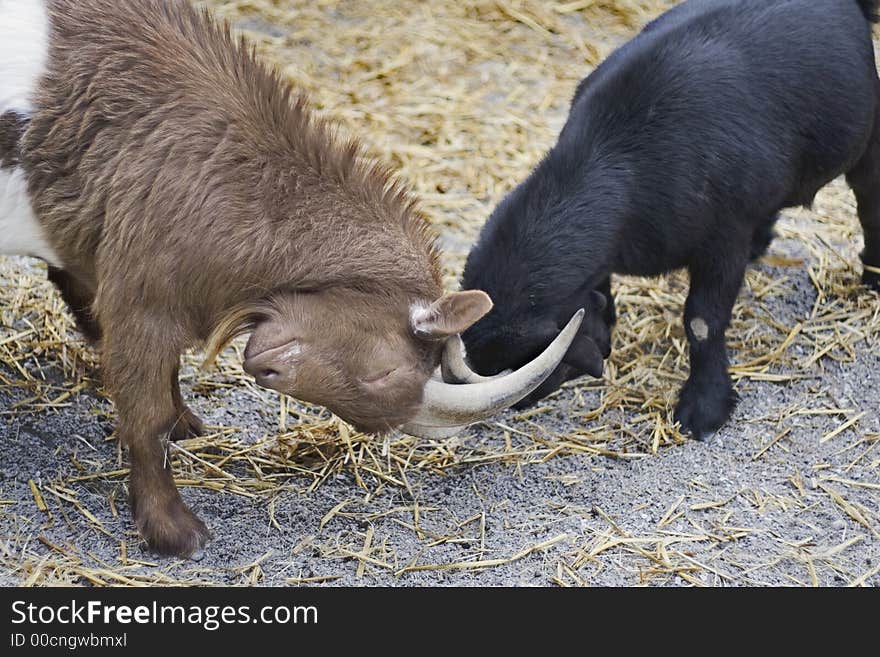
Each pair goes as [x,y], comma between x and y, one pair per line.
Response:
[293,353]
[419,315]
[700,329]
[20,232]
[24,49]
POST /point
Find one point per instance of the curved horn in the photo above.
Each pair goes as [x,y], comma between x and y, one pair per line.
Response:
[454,406]
[455,368]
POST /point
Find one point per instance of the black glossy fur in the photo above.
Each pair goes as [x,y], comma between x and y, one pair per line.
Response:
[679,151]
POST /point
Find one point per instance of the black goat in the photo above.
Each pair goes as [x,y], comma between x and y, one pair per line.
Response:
[678,152]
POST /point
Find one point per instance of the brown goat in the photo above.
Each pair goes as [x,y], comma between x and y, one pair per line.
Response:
[183,195]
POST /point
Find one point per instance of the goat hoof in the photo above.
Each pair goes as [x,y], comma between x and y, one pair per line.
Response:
[188,425]
[702,408]
[171,529]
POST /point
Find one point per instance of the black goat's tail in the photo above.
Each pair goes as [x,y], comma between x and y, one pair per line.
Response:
[870,9]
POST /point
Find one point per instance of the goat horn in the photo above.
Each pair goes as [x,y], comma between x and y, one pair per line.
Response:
[449,406]
[454,367]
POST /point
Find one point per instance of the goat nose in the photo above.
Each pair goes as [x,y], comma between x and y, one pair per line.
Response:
[264,370]
[268,377]
[269,374]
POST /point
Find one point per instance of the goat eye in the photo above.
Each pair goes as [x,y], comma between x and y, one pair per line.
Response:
[376,378]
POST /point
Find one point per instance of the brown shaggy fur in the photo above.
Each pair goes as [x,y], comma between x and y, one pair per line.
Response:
[11,128]
[191,196]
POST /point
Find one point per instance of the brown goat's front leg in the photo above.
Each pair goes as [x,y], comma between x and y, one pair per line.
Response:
[138,372]
[708,398]
[186,424]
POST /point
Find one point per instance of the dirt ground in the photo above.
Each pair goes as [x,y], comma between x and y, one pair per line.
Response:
[595,487]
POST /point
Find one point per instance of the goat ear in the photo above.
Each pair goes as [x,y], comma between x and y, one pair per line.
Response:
[450,314]
[598,301]
[584,356]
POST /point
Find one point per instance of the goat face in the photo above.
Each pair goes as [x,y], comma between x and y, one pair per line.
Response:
[365,358]
[504,341]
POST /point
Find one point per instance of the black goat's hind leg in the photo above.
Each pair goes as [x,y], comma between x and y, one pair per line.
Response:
[708,398]
[865,182]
